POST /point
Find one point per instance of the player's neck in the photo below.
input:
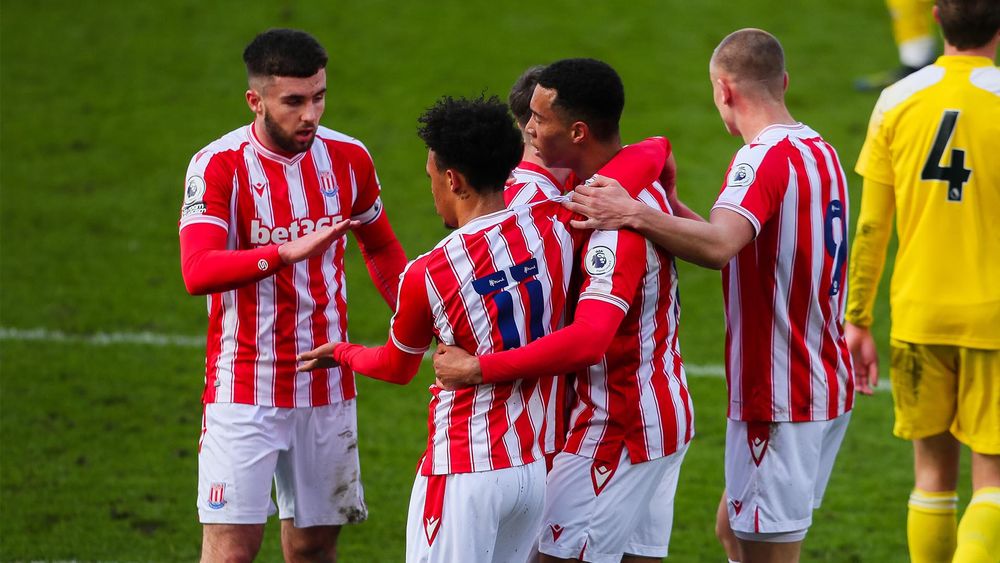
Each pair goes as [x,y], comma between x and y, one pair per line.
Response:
[595,157]
[989,50]
[761,117]
[530,155]
[476,206]
[260,132]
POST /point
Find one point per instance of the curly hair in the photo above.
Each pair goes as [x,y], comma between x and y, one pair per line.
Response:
[284,52]
[587,90]
[475,137]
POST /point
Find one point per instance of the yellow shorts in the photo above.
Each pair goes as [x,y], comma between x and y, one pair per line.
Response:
[940,388]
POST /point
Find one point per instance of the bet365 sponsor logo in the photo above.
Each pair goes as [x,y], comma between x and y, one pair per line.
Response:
[261,234]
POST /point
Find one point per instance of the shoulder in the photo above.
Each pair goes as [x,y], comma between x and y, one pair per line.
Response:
[343,143]
[229,144]
[986,78]
[907,88]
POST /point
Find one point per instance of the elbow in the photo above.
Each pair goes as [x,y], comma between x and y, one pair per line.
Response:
[717,261]
[195,286]
[592,355]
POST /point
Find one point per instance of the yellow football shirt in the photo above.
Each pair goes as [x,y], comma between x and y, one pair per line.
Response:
[935,138]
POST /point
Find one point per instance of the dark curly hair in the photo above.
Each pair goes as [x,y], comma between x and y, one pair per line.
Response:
[587,90]
[284,52]
[475,137]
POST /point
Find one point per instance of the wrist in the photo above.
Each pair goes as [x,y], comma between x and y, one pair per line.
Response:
[635,215]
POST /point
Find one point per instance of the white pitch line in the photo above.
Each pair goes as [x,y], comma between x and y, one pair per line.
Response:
[145,338]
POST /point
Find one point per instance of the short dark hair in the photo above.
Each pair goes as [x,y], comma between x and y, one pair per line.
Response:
[587,90]
[284,52]
[520,94]
[753,55]
[968,24]
[475,137]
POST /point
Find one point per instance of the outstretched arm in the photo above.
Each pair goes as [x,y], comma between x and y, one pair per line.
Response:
[387,363]
[710,244]
[208,267]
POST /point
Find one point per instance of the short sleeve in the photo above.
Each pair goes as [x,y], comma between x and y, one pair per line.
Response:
[755,184]
[208,189]
[411,327]
[613,263]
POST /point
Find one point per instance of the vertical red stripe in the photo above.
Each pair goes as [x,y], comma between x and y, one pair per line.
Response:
[319,392]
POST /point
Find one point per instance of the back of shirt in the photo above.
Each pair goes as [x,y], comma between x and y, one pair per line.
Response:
[786,358]
[495,284]
[935,136]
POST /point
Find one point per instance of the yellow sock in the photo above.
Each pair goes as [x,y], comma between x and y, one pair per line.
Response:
[979,532]
[930,526]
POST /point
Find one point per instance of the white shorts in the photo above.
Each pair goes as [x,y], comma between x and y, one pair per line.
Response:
[311,453]
[776,473]
[484,516]
[597,512]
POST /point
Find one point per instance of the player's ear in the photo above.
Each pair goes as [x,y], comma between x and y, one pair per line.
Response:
[455,180]
[725,91]
[255,101]
[578,131]
[784,85]
[937,17]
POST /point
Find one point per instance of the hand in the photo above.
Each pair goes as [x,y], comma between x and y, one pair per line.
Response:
[318,358]
[455,368]
[865,357]
[606,203]
[315,243]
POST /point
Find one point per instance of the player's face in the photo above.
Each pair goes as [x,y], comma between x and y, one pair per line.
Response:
[290,109]
[547,131]
[441,190]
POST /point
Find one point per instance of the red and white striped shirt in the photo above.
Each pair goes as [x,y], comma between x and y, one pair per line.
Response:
[786,358]
[497,283]
[260,198]
[531,183]
[637,396]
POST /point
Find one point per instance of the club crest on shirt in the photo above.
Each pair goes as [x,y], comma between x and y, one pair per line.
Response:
[599,260]
[742,175]
[217,496]
[328,183]
[194,191]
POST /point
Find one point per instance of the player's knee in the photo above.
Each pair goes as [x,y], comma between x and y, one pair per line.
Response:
[312,544]
[230,544]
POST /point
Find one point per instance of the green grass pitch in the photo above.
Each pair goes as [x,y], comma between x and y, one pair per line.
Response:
[102,105]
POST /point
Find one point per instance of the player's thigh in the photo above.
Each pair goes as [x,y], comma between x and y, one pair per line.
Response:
[771,473]
[318,479]
[590,505]
[517,533]
[977,423]
[924,386]
[236,462]
[832,437]
[460,517]
[651,537]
